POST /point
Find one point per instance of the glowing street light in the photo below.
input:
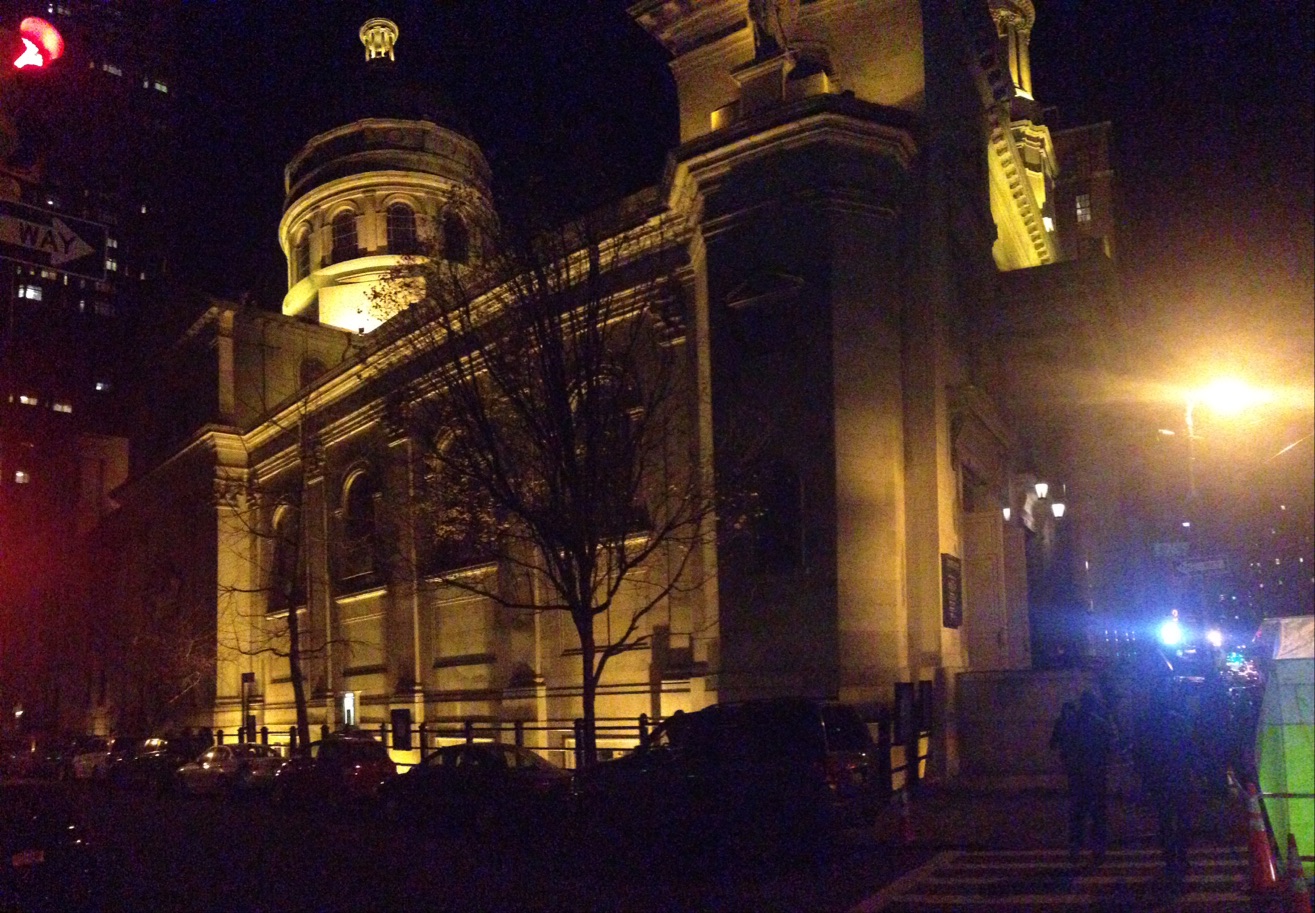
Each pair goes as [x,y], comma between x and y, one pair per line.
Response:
[1225,397]
[1215,637]
[1171,633]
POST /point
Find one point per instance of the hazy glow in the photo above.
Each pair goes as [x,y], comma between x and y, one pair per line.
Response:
[1171,633]
[1228,396]
[1215,637]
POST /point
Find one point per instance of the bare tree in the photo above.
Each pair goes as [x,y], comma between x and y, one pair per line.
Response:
[557,424]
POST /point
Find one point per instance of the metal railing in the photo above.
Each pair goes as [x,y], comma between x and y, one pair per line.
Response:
[901,732]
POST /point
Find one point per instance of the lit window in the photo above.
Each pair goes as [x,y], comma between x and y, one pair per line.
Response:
[1048,222]
[1084,207]
[103,308]
[111,264]
[48,274]
[27,399]
[112,243]
[160,87]
[143,209]
[66,408]
[21,477]
[111,69]
[30,292]
[102,386]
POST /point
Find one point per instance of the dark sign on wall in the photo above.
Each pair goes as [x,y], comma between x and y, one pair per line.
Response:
[951,591]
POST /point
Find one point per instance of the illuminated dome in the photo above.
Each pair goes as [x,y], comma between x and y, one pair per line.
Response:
[392,172]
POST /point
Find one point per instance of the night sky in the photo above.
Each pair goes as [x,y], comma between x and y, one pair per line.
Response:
[1211,104]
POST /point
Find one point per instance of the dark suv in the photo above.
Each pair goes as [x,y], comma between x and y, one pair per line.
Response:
[781,773]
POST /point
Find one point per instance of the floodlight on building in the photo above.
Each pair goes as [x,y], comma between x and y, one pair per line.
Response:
[1042,489]
[1058,508]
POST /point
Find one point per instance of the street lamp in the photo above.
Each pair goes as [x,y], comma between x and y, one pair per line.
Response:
[1226,397]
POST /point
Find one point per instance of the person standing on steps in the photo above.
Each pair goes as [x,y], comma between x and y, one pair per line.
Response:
[1166,758]
[1084,737]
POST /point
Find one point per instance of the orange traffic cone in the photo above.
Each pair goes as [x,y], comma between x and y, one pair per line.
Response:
[1298,890]
[1264,870]
[905,818]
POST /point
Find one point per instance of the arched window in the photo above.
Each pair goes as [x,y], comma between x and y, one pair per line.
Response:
[401,229]
[287,585]
[358,527]
[344,236]
[301,255]
[456,238]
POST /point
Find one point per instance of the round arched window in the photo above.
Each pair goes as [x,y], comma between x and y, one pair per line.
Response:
[401,229]
[344,236]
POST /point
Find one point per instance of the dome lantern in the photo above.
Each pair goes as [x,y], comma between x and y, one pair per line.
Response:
[379,35]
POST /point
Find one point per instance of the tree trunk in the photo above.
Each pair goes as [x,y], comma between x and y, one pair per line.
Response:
[298,682]
[589,750]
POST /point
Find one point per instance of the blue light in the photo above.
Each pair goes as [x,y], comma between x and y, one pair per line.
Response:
[1171,633]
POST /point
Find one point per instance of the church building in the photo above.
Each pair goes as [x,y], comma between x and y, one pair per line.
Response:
[853,178]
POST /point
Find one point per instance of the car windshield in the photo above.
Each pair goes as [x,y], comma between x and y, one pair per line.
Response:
[350,750]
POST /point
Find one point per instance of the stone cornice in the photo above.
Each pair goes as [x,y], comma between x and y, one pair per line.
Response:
[700,165]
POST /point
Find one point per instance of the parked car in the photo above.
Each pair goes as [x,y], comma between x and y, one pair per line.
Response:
[91,758]
[48,858]
[342,767]
[741,777]
[243,767]
[482,786]
[149,764]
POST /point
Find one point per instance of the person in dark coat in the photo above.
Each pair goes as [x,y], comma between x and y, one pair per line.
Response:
[1166,756]
[1084,737]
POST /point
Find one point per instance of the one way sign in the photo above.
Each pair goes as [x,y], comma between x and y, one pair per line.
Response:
[43,238]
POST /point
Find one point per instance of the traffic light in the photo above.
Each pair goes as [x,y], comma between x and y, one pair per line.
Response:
[37,45]
[42,43]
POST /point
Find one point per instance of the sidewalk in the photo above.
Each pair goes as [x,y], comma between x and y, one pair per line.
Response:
[1032,813]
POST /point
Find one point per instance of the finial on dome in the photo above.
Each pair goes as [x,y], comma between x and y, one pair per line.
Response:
[379,35]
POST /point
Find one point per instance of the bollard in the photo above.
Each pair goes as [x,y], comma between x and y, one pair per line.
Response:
[643,730]
[264,735]
[423,733]
[518,729]
[468,728]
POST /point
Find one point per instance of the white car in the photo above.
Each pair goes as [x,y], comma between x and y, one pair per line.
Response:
[243,766]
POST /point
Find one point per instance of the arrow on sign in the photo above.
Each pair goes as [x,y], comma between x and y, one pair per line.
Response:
[56,239]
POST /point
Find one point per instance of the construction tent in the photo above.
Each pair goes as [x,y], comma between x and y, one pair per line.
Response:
[1285,735]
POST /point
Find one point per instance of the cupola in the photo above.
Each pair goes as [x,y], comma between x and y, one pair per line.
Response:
[394,174]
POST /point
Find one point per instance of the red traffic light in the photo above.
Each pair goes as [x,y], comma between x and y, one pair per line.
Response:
[42,43]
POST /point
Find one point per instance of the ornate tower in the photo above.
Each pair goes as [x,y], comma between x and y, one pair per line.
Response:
[362,196]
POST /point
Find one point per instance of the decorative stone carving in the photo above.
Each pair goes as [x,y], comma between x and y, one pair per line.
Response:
[773,21]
